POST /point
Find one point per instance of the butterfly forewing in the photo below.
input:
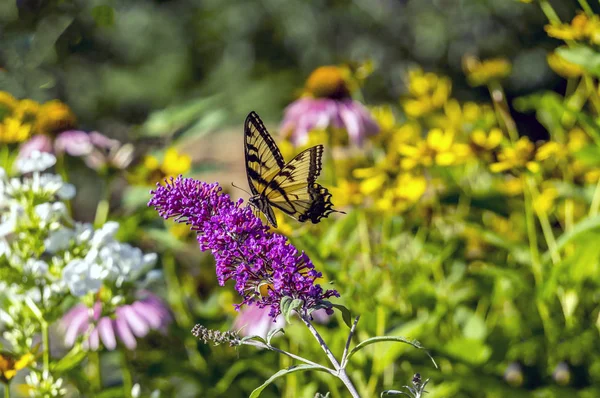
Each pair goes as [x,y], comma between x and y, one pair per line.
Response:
[263,158]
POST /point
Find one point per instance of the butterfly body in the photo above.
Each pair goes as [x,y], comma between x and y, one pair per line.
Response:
[290,186]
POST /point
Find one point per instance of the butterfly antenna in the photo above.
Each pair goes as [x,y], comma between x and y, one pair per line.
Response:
[242,189]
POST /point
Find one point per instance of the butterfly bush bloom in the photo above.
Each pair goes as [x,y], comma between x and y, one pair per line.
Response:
[328,104]
[264,266]
[128,322]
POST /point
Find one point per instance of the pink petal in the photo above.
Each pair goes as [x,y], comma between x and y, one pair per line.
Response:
[107,333]
[124,332]
[147,311]
[78,324]
[138,325]
[74,142]
[39,142]
[94,340]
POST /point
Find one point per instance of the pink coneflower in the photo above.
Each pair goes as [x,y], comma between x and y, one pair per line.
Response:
[327,104]
[97,150]
[127,323]
[255,321]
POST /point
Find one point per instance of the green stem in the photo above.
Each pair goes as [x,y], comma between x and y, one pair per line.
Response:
[586,7]
[503,110]
[127,379]
[595,205]
[6,391]
[46,344]
[545,223]
[340,371]
[94,371]
[532,238]
[549,11]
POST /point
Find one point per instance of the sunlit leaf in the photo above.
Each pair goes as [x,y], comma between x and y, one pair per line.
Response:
[284,372]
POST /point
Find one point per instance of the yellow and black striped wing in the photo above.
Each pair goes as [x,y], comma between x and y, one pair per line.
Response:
[294,190]
[263,159]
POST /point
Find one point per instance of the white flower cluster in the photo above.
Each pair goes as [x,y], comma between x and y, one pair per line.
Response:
[48,252]
[43,385]
[106,260]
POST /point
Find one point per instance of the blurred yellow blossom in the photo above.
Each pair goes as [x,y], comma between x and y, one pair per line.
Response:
[551,149]
[327,82]
[179,230]
[577,139]
[480,73]
[563,67]
[53,117]
[517,156]
[482,142]
[173,163]
[544,202]
[576,30]
[428,92]
[283,224]
[346,193]
[510,186]
[7,102]
[10,365]
[27,110]
[404,193]
[439,148]
[12,131]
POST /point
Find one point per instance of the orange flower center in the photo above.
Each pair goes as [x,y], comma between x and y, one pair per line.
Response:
[327,82]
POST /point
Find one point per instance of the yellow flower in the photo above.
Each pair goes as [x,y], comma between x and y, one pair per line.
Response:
[546,199]
[551,149]
[12,131]
[428,92]
[563,67]
[576,30]
[439,148]
[327,82]
[480,73]
[175,163]
[283,224]
[516,157]
[346,193]
[592,176]
[10,365]
[465,117]
[8,103]
[485,142]
[27,110]
[577,139]
[181,231]
[54,117]
[172,164]
[510,186]
[404,193]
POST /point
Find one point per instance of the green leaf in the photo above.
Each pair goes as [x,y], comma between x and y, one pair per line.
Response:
[393,392]
[255,338]
[381,339]
[470,351]
[47,33]
[291,306]
[104,16]
[346,315]
[69,361]
[582,55]
[284,372]
[583,227]
[273,333]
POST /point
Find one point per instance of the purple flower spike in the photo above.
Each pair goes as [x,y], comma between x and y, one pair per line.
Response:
[126,324]
[264,266]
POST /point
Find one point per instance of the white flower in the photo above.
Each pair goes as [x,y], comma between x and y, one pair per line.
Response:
[83,232]
[58,240]
[36,161]
[43,385]
[66,192]
[49,211]
[83,277]
[105,234]
[35,266]
[8,220]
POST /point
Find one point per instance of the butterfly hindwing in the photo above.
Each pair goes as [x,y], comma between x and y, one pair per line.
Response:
[291,186]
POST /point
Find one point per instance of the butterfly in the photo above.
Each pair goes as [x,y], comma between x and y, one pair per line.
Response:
[290,186]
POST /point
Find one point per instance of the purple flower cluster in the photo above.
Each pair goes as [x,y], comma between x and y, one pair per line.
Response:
[264,266]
